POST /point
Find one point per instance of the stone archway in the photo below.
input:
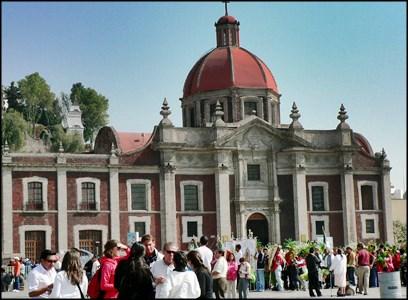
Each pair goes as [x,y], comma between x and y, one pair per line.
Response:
[259,226]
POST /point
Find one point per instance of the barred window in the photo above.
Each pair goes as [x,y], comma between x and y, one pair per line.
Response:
[141,228]
[35,196]
[319,227]
[254,172]
[318,198]
[91,240]
[190,197]
[250,107]
[192,229]
[34,244]
[138,196]
[367,197]
[88,201]
[370,226]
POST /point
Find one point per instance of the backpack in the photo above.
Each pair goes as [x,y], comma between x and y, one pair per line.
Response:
[94,286]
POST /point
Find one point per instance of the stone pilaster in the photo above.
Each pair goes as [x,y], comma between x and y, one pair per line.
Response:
[386,198]
[276,201]
[300,203]
[222,198]
[348,205]
[62,232]
[168,204]
[7,212]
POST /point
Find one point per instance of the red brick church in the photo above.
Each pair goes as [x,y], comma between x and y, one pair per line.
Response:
[233,166]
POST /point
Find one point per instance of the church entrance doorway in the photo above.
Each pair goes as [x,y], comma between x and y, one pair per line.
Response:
[259,226]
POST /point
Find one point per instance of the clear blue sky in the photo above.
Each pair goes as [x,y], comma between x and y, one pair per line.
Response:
[137,53]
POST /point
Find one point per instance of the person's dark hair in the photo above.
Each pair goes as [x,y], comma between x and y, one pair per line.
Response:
[109,246]
[46,253]
[339,251]
[238,246]
[203,240]
[242,259]
[180,261]
[147,238]
[71,264]
[311,250]
[195,258]
[360,246]
[135,259]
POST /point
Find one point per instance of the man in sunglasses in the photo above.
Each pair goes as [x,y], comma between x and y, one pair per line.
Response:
[162,268]
[40,280]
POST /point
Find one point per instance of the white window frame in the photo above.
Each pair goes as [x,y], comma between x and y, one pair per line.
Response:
[78,228]
[324,218]
[22,230]
[199,185]
[44,182]
[364,234]
[325,186]
[97,183]
[148,186]
[374,186]
[145,219]
[184,220]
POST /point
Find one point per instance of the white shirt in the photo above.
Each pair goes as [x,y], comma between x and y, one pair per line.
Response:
[159,268]
[207,256]
[183,285]
[63,287]
[95,266]
[39,278]
[221,266]
[238,256]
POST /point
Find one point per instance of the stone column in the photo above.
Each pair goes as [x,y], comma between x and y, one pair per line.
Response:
[114,195]
[62,231]
[276,201]
[239,197]
[222,198]
[348,205]
[300,204]
[7,211]
[168,204]
[260,110]
[207,111]
[386,198]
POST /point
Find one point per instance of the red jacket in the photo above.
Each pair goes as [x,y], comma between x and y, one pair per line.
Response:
[108,267]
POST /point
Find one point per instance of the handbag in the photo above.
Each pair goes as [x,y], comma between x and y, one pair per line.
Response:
[82,295]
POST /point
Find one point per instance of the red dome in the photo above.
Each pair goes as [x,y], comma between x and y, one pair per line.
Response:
[227,67]
[227,20]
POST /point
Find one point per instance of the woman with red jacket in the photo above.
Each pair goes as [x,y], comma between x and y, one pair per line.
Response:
[108,266]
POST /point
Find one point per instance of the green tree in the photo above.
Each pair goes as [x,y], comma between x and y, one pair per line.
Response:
[13,95]
[37,97]
[400,232]
[94,109]
[72,143]
[13,128]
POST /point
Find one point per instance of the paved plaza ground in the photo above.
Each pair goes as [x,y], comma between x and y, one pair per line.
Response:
[268,294]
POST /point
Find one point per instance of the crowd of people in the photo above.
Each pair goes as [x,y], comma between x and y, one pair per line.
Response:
[144,272]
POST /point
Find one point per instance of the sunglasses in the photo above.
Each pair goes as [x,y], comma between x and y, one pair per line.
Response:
[170,252]
[51,261]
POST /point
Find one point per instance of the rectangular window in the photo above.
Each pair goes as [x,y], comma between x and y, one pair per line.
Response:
[370,226]
[319,227]
[250,107]
[190,197]
[318,198]
[35,196]
[254,172]
[34,244]
[91,240]
[88,196]
[367,197]
[192,229]
[138,197]
[141,228]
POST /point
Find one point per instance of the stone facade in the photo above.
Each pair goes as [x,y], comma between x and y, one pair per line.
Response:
[224,172]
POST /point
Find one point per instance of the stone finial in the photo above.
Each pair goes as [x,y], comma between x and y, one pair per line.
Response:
[218,115]
[61,148]
[6,148]
[383,154]
[343,117]
[113,149]
[165,112]
[295,115]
